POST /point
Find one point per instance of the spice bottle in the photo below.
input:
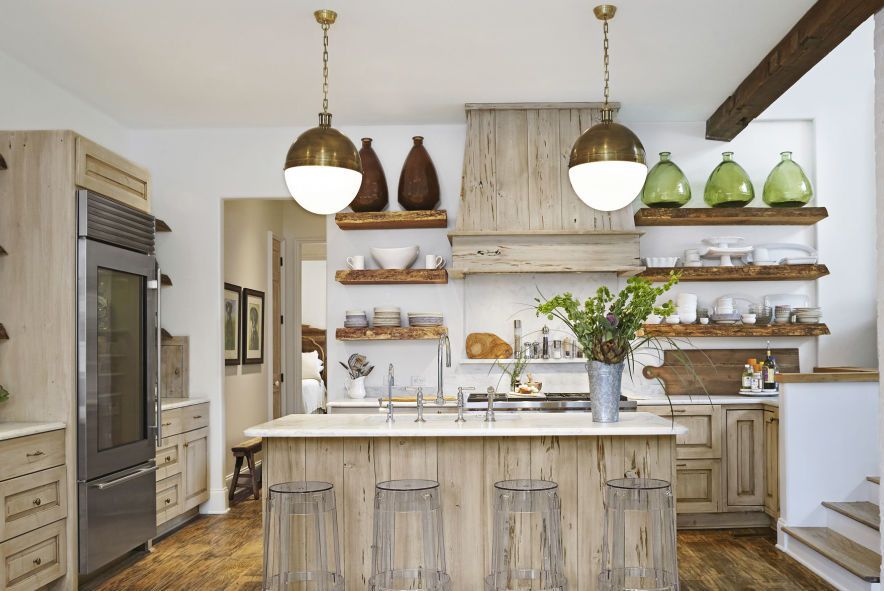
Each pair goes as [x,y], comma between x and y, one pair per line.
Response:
[546,342]
[517,335]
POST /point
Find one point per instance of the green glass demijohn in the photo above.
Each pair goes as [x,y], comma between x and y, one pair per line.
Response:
[666,185]
[728,185]
[787,185]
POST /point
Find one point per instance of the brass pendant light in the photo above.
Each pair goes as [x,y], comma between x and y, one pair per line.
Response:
[323,171]
[607,167]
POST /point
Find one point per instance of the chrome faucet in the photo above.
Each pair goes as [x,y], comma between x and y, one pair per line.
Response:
[390,384]
[420,406]
[489,412]
[461,403]
[445,344]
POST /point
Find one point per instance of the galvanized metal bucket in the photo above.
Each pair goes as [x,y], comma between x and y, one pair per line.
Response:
[604,390]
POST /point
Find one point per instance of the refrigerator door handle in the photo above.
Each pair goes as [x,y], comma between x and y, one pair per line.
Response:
[158,405]
[132,476]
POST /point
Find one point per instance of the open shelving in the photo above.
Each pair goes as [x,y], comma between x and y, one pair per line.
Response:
[730,216]
[735,330]
[392,220]
[165,280]
[741,273]
[391,276]
[161,226]
[390,333]
[4,336]
[3,252]
[573,361]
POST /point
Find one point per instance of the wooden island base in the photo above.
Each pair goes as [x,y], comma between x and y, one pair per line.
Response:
[467,468]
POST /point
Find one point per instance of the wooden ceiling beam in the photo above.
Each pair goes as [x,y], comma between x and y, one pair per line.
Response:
[820,30]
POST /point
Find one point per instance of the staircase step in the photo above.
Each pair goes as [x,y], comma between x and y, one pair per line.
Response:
[862,511]
[875,479]
[858,560]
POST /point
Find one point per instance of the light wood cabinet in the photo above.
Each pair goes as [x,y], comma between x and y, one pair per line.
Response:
[32,501]
[174,370]
[196,468]
[24,455]
[745,458]
[100,170]
[168,498]
[703,422]
[34,559]
[169,457]
[195,417]
[698,486]
[772,463]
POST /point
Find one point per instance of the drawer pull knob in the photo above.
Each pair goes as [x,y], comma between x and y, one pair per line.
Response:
[679,410]
[35,454]
[186,445]
[681,465]
[167,424]
[38,561]
[197,416]
[168,501]
[168,458]
[38,502]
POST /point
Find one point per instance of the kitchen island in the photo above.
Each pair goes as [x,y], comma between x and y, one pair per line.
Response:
[354,452]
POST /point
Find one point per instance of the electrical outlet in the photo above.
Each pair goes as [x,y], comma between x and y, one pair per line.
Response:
[418,380]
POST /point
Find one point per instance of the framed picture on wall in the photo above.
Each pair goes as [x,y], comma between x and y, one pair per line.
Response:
[252,326]
[232,307]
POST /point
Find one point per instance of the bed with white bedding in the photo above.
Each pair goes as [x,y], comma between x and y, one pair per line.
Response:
[313,390]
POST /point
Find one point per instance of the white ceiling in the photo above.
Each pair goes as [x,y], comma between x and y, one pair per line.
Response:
[226,63]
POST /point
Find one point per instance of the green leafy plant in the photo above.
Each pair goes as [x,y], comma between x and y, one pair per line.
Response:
[609,327]
[4,394]
[514,369]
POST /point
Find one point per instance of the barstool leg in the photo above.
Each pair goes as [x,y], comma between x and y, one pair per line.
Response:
[235,478]
[319,520]
[256,492]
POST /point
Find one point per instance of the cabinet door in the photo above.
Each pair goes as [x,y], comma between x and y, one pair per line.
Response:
[745,458]
[196,468]
[772,463]
[106,173]
[174,367]
[698,486]
[703,422]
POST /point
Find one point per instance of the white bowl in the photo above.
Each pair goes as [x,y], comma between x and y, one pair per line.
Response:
[689,318]
[661,261]
[673,319]
[395,258]
[704,320]
[654,319]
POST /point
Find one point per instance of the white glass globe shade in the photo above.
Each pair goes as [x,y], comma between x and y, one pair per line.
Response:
[322,189]
[608,185]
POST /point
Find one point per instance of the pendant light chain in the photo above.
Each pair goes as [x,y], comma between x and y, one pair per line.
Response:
[605,29]
[325,28]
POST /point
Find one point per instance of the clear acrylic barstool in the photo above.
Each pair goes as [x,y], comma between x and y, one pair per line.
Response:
[527,538]
[409,549]
[639,548]
[301,548]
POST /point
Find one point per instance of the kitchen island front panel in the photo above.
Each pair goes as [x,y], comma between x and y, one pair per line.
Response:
[467,467]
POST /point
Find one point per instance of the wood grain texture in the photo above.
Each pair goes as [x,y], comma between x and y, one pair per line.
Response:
[737,216]
[382,333]
[826,24]
[829,377]
[391,276]
[525,106]
[32,501]
[544,193]
[744,439]
[161,226]
[735,330]
[698,488]
[392,220]
[861,511]
[109,174]
[511,167]
[486,345]
[175,368]
[874,479]
[744,273]
[704,425]
[844,552]
[35,559]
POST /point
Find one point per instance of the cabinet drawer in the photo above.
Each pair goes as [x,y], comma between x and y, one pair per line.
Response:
[168,498]
[34,559]
[194,417]
[32,501]
[102,171]
[171,422]
[33,453]
[703,422]
[168,457]
[698,486]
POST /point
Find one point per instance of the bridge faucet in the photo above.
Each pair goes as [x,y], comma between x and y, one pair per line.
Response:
[445,344]
[390,384]
[489,412]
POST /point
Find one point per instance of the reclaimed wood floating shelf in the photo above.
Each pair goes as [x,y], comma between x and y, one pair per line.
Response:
[385,333]
[161,226]
[735,330]
[743,273]
[166,334]
[3,252]
[392,220]
[4,336]
[730,216]
[391,276]
[3,163]
[165,280]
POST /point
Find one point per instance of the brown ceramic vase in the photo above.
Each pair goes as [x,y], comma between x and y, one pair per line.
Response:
[372,194]
[418,183]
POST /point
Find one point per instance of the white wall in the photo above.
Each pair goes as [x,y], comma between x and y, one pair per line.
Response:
[313,293]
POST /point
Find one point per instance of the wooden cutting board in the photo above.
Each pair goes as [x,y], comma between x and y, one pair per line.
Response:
[716,370]
[486,345]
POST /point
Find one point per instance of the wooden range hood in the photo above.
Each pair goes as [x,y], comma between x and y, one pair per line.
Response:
[518,213]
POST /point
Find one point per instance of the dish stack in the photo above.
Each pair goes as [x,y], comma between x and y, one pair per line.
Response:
[355,319]
[686,308]
[692,258]
[725,313]
[390,317]
[808,315]
[782,314]
[424,319]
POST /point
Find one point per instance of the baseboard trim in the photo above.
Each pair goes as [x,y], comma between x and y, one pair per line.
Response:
[723,520]
[168,527]
[217,503]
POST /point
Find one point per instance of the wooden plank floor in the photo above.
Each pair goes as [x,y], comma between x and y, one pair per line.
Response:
[224,552]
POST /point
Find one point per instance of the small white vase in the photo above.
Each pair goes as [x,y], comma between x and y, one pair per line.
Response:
[356,388]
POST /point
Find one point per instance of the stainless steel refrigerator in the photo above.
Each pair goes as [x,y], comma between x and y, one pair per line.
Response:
[118,394]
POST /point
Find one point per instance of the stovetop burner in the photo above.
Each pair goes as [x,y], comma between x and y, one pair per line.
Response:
[552,402]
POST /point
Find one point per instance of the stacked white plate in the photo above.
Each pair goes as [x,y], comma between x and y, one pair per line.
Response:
[424,319]
[808,315]
[387,317]
[355,319]
[782,314]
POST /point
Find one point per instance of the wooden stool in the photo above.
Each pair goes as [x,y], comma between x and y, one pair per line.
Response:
[246,449]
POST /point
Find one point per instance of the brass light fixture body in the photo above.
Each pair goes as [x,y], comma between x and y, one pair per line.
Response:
[323,146]
[606,141]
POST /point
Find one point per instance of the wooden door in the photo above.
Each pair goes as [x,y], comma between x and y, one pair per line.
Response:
[196,468]
[745,458]
[698,486]
[277,328]
[703,422]
[772,463]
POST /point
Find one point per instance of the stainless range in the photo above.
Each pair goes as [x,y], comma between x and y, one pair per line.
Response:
[555,402]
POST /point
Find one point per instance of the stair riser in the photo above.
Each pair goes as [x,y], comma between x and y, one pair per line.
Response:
[871,492]
[854,530]
[838,577]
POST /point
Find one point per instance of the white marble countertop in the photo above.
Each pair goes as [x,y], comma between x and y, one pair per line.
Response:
[707,399]
[373,403]
[171,403]
[507,425]
[12,430]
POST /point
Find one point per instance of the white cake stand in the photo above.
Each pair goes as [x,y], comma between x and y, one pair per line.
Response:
[723,248]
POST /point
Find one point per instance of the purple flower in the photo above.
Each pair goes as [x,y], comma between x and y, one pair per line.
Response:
[612,320]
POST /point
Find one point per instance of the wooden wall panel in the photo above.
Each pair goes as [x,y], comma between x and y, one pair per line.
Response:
[461,466]
[366,462]
[544,193]
[554,458]
[511,167]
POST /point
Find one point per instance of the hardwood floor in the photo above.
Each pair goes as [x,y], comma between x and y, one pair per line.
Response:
[224,552]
